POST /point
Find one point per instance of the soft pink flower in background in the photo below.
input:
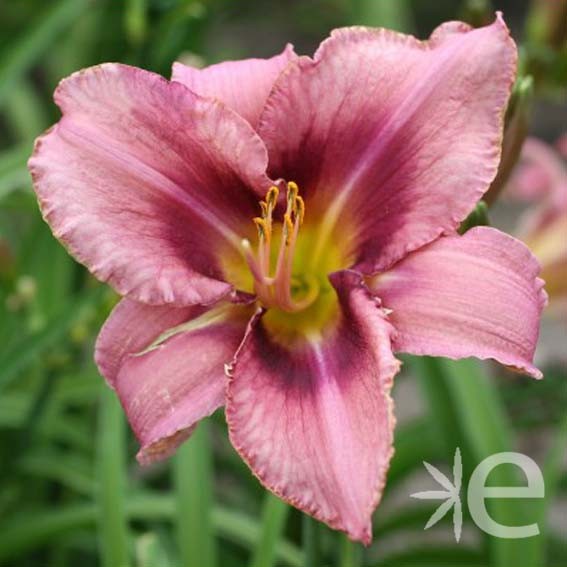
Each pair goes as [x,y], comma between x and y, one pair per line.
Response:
[540,174]
[541,180]
[562,145]
[385,143]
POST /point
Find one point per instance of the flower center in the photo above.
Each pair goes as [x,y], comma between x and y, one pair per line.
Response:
[276,283]
[286,261]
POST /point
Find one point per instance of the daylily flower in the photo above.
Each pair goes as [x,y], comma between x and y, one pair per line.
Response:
[541,179]
[279,228]
[540,175]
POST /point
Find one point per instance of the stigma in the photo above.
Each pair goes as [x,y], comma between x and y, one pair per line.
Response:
[271,261]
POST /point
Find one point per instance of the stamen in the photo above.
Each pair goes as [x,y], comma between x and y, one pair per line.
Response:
[272,196]
[275,291]
[292,191]
[288,229]
[300,209]
[262,227]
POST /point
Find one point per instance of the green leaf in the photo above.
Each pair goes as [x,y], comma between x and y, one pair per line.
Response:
[466,406]
[415,441]
[31,529]
[192,468]
[392,14]
[431,556]
[33,43]
[44,259]
[150,552]
[26,351]
[274,516]
[233,526]
[407,519]
[112,520]
[66,470]
[26,112]
[552,474]
[487,432]
[442,412]
[13,171]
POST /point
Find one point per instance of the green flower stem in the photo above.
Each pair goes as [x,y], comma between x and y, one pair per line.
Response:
[350,553]
[112,519]
[192,470]
[311,542]
[274,516]
[136,20]
[443,414]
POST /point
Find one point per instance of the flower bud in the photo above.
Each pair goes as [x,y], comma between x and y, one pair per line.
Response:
[515,132]
[547,23]
[479,217]
[477,13]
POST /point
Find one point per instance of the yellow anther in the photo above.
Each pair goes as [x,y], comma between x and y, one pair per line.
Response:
[292,191]
[287,228]
[264,208]
[262,226]
[300,209]
[272,196]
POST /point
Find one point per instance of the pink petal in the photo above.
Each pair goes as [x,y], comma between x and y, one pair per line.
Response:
[472,295]
[167,389]
[144,182]
[242,85]
[314,420]
[402,137]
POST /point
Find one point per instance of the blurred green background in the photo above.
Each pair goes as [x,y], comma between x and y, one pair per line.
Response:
[71,492]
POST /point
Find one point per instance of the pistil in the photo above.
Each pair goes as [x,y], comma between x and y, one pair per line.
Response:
[275,290]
